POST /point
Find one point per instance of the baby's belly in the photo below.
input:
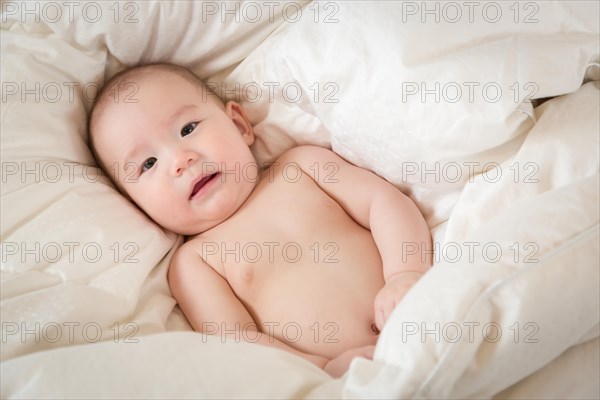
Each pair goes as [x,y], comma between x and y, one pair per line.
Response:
[317,307]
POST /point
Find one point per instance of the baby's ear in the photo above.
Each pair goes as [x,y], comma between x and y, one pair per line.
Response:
[240,119]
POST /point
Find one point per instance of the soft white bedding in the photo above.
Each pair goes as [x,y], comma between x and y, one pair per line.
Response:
[86,310]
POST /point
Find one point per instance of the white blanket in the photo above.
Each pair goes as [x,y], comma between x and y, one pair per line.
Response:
[438,108]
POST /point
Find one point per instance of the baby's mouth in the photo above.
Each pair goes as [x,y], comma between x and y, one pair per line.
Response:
[201,183]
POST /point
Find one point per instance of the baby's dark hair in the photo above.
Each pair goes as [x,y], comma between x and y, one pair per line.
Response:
[123,86]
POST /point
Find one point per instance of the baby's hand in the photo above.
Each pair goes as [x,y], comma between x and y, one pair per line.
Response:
[391,294]
[339,365]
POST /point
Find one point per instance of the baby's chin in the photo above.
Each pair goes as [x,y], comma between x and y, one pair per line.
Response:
[190,230]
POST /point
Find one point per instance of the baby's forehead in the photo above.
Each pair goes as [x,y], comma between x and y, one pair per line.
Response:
[136,88]
[130,87]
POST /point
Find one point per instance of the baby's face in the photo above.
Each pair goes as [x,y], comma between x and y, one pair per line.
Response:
[180,155]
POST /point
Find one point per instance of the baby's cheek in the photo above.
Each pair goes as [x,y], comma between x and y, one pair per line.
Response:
[166,213]
[156,208]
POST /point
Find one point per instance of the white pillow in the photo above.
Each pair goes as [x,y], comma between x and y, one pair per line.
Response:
[73,249]
[355,77]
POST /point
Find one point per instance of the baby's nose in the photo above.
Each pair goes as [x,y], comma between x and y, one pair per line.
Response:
[183,162]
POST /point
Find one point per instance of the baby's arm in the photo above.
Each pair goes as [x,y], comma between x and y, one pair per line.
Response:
[397,226]
[210,305]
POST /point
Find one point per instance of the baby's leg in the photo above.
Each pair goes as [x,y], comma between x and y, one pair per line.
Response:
[339,365]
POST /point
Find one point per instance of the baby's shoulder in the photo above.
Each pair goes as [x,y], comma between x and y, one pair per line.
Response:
[187,249]
[194,243]
[195,250]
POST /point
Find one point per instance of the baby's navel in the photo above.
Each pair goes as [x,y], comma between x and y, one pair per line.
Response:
[374,329]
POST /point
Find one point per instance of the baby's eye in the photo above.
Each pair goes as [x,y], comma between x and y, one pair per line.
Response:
[189,128]
[149,163]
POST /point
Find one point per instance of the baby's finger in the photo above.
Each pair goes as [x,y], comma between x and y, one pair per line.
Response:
[387,310]
[379,318]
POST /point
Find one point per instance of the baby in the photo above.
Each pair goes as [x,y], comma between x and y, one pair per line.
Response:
[304,255]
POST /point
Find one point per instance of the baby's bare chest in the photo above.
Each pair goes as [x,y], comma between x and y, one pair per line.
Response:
[288,226]
[294,256]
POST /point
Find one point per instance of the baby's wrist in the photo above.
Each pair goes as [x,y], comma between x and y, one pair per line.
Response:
[403,274]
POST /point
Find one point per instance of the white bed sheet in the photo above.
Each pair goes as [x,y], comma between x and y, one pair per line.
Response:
[372,126]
